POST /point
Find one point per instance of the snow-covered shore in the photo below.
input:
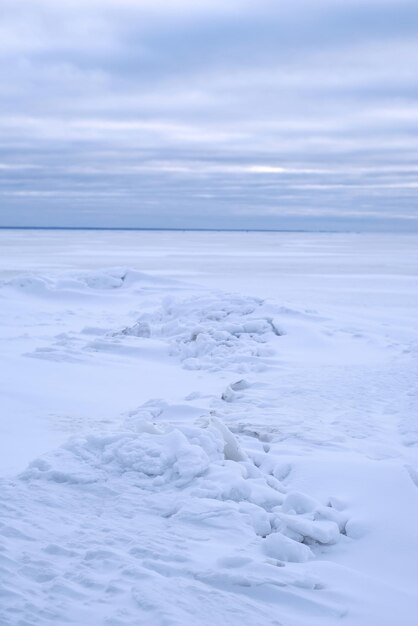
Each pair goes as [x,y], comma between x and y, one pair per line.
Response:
[208,427]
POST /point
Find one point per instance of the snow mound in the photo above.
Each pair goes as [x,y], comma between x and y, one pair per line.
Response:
[117,277]
[212,332]
[158,526]
[29,283]
[166,521]
[209,466]
[103,280]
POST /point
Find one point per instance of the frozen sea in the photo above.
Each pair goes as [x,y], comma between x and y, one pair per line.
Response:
[203,427]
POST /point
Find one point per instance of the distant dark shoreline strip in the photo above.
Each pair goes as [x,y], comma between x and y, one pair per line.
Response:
[180,230]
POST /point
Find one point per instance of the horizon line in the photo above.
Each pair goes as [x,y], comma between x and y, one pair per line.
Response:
[185,229]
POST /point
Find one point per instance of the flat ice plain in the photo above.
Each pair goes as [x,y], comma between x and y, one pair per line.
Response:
[201,428]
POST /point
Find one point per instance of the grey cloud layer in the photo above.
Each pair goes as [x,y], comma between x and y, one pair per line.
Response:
[181,114]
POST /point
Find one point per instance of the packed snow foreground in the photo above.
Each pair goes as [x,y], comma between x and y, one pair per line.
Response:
[188,512]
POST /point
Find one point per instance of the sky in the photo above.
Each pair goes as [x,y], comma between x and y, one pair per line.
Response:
[209,114]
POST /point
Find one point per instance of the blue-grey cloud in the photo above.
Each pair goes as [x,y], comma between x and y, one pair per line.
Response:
[185,114]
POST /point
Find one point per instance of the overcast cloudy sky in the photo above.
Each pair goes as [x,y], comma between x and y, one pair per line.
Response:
[208,113]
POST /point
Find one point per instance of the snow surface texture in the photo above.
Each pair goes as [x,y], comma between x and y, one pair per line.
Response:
[122,520]
[201,457]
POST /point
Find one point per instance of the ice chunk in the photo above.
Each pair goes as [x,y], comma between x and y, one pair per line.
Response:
[232,449]
[280,547]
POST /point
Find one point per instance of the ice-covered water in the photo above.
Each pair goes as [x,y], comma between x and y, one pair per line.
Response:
[202,427]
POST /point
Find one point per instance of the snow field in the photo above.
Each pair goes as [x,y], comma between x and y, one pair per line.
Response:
[231,458]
